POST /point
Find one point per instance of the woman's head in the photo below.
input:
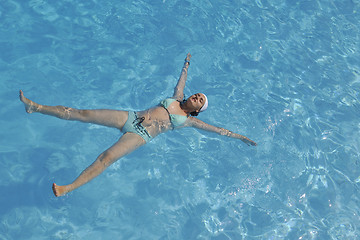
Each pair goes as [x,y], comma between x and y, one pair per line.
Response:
[198,103]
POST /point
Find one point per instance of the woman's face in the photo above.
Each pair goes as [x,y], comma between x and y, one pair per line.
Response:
[197,101]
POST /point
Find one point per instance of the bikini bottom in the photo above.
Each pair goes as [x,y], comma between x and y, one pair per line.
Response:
[133,124]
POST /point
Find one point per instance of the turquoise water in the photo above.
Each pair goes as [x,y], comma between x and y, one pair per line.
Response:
[284,73]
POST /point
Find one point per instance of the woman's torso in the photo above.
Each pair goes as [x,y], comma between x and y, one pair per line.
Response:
[157,119]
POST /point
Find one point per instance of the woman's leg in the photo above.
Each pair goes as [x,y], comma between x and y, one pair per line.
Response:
[109,118]
[126,144]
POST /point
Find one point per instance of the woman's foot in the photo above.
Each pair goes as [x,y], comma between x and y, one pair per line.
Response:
[30,106]
[59,190]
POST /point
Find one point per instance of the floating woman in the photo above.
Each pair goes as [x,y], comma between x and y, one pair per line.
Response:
[138,127]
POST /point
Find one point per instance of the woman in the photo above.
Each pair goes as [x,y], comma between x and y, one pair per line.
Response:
[138,127]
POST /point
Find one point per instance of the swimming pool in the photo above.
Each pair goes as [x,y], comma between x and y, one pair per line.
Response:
[284,73]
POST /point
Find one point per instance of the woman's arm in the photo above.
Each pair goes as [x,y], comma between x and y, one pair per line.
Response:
[194,122]
[179,89]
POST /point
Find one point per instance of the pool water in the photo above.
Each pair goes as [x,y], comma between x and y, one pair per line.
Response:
[284,73]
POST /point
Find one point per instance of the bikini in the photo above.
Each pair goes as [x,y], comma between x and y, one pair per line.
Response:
[175,119]
[134,123]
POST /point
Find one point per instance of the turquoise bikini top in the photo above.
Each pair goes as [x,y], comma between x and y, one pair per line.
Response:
[175,119]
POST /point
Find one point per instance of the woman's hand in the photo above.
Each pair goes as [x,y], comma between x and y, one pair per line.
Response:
[179,88]
[248,141]
[187,60]
[194,122]
[225,132]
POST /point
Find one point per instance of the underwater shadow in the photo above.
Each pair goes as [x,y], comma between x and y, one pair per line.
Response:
[23,194]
